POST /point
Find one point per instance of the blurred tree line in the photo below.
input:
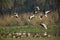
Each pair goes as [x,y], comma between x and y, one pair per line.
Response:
[20,6]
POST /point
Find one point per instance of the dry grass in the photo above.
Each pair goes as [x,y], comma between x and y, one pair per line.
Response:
[23,19]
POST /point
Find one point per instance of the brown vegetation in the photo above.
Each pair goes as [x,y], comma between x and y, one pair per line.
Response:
[23,19]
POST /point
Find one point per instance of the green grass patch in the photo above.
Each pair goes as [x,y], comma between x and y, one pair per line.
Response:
[52,29]
[20,29]
[30,38]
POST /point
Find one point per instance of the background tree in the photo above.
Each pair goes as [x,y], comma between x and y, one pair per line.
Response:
[59,9]
[27,5]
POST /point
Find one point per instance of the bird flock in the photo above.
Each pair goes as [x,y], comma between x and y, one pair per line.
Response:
[40,17]
[30,18]
[23,34]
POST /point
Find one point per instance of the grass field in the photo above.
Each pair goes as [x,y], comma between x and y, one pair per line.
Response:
[52,29]
[30,38]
